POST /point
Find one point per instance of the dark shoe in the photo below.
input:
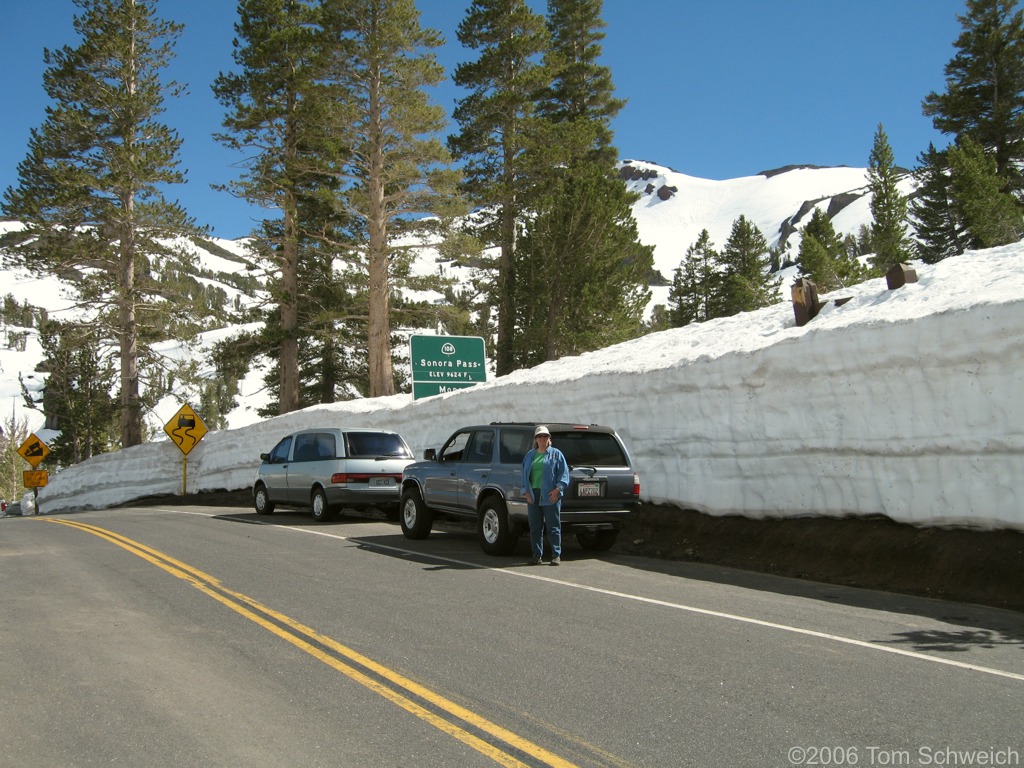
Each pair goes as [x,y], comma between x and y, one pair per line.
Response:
[534,561]
[556,561]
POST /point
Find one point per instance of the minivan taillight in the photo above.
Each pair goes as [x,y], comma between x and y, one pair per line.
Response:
[636,484]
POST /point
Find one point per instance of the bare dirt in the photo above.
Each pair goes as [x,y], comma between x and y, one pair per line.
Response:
[984,567]
[973,566]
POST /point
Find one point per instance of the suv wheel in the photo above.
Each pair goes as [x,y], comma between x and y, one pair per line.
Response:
[321,511]
[494,528]
[597,541]
[416,519]
[261,500]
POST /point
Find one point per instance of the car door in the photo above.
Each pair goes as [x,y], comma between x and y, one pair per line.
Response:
[476,467]
[442,487]
[274,473]
[303,464]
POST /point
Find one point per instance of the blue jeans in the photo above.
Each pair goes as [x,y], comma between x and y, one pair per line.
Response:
[541,516]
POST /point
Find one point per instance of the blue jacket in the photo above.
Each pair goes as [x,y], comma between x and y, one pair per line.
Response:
[556,474]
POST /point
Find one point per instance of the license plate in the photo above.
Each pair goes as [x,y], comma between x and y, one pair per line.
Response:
[588,489]
[381,482]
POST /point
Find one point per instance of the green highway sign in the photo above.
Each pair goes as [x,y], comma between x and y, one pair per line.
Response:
[445,363]
[429,389]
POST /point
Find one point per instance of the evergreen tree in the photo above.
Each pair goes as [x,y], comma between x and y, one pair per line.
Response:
[76,396]
[696,294]
[581,94]
[581,272]
[990,215]
[937,221]
[498,124]
[394,167]
[824,258]
[888,206]
[91,188]
[984,96]
[13,434]
[747,283]
[580,219]
[278,109]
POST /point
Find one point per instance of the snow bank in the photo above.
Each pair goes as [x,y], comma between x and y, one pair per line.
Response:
[902,403]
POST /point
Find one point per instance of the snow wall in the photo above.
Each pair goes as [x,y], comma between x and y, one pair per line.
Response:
[904,403]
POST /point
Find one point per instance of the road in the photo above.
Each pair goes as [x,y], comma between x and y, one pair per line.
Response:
[203,636]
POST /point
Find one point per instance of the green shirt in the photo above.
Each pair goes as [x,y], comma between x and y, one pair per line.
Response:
[537,470]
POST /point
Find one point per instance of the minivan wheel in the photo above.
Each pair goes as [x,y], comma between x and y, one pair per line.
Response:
[416,519]
[494,529]
[597,541]
[321,511]
[262,502]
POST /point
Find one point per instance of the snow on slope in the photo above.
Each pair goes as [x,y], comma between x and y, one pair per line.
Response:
[903,403]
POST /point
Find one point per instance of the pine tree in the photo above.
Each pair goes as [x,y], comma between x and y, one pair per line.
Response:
[393,166]
[278,106]
[984,96]
[91,190]
[581,94]
[498,124]
[824,258]
[13,434]
[937,222]
[990,215]
[747,283]
[580,221]
[888,206]
[76,396]
[581,271]
[696,294]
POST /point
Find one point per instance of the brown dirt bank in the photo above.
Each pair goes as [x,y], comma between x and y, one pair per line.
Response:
[984,567]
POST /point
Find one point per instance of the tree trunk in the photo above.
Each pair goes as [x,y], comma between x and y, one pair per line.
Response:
[288,397]
[382,380]
[131,407]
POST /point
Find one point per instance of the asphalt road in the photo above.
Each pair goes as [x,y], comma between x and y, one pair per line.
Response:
[204,636]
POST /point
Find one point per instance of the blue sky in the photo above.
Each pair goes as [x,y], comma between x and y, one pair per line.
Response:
[715,88]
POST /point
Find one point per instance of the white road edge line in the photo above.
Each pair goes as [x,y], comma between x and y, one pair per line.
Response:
[652,601]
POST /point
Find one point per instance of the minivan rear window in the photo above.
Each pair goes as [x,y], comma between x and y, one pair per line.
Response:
[365,445]
[599,449]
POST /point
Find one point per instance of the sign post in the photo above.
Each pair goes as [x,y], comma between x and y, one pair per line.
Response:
[34,450]
[446,363]
[185,429]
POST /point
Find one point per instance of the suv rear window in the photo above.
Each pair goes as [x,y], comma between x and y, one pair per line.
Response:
[598,449]
[364,445]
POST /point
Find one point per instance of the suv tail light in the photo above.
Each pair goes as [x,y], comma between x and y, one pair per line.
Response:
[636,484]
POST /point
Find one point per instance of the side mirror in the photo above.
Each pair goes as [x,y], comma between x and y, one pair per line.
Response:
[264,457]
[430,454]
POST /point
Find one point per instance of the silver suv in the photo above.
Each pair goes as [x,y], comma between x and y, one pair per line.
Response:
[327,469]
[477,475]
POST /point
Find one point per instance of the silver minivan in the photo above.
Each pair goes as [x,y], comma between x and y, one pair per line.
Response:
[326,469]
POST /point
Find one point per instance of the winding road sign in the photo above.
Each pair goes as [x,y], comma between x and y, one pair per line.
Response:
[186,429]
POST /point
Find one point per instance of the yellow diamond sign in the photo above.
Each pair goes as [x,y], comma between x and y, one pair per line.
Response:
[186,429]
[34,450]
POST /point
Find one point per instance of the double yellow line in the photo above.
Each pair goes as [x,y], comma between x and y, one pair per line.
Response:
[388,683]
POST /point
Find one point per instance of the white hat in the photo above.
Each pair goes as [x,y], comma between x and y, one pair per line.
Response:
[541,430]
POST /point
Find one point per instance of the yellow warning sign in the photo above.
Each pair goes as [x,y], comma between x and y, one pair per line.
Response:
[36,478]
[34,450]
[186,429]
